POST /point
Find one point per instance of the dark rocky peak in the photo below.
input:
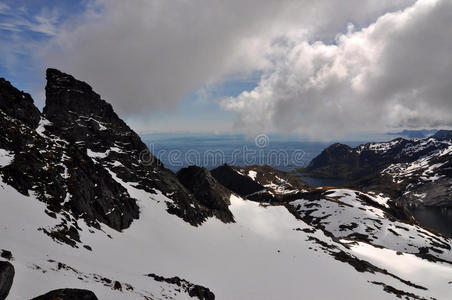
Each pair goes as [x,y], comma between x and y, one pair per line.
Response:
[62,175]
[334,154]
[66,94]
[207,191]
[235,181]
[340,147]
[260,183]
[81,116]
[443,135]
[18,105]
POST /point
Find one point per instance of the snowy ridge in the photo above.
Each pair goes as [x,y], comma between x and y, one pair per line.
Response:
[349,214]
[425,166]
[413,172]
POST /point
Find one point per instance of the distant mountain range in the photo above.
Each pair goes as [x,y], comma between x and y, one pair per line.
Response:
[87,212]
[414,172]
[423,133]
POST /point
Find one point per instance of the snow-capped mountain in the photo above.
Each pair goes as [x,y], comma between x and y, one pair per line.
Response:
[411,171]
[88,213]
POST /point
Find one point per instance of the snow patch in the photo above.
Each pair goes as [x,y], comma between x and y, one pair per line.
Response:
[41,127]
[6,158]
[252,174]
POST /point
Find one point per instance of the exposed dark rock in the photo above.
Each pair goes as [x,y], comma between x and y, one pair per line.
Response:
[236,182]
[443,135]
[201,293]
[266,184]
[336,161]
[397,292]
[207,191]
[67,294]
[193,290]
[6,278]
[18,104]
[117,286]
[281,186]
[6,254]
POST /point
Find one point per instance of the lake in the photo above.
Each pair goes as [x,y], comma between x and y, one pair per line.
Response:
[436,218]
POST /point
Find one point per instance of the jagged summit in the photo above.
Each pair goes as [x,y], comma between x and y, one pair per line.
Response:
[64,93]
[79,113]
[18,104]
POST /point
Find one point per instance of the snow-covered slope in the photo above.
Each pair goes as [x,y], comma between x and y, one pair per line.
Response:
[266,254]
[348,214]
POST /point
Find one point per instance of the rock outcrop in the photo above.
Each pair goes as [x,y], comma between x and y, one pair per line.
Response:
[260,183]
[207,191]
[18,104]
[193,290]
[68,294]
[6,278]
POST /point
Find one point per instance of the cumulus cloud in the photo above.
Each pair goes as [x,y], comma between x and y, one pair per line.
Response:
[151,54]
[394,73]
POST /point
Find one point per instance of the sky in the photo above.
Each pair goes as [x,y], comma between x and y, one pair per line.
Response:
[323,70]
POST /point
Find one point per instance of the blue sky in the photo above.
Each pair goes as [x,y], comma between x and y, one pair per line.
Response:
[24,27]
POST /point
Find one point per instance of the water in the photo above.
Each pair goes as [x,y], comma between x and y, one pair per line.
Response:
[312,181]
[435,218]
[211,151]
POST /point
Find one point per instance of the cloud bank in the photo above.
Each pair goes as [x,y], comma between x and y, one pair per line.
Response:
[150,55]
[395,73]
[329,68]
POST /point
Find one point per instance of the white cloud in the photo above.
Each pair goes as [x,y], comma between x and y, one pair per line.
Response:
[394,73]
[19,20]
[151,54]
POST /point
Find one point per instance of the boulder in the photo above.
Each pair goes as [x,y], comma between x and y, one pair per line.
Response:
[67,294]
[6,278]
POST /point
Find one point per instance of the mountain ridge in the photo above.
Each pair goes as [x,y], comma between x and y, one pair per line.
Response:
[414,172]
